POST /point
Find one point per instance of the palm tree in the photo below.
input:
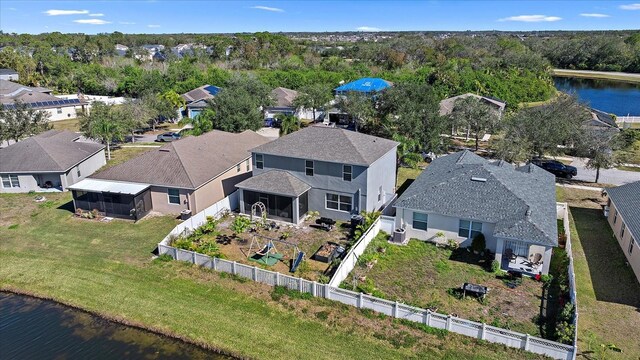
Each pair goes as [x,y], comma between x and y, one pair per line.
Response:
[407,151]
[288,124]
[176,101]
[103,124]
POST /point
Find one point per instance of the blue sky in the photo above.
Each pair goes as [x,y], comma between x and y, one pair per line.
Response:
[158,16]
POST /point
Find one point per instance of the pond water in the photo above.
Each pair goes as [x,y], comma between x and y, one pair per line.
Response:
[614,97]
[38,329]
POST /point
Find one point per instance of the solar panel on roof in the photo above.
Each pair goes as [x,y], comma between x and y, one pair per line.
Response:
[75,101]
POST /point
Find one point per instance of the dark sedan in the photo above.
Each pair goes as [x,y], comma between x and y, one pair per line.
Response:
[556,167]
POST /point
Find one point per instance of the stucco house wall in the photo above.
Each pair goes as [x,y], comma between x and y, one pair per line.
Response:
[624,241]
[160,200]
[86,167]
[220,187]
[381,175]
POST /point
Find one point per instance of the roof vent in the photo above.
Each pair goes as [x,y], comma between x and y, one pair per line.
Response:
[528,213]
[479,179]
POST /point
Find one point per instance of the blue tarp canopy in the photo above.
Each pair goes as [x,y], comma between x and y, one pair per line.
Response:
[364,85]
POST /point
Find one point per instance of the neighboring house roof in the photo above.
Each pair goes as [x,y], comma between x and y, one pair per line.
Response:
[627,201]
[284,97]
[203,92]
[187,163]
[8,72]
[329,144]
[275,182]
[51,151]
[446,105]
[364,85]
[35,97]
[519,201]
[602,119]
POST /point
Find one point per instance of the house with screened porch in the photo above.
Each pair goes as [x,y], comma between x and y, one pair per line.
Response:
[333,171]
[462,194]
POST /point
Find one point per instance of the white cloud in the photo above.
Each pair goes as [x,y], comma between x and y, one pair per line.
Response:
[96,14]
[635,6]
[531,18]
[595,15]
[12,9]
[66,12]
[368,28]
[153,26]
[92,21]
[267,8]
[126,23]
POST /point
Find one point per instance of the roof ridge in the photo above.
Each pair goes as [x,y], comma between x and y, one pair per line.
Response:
[172,144]
[36,140]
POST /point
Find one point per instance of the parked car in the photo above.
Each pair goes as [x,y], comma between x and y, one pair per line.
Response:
[556,167]
[168,136]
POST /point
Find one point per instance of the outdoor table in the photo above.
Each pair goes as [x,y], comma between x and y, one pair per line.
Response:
[480,290]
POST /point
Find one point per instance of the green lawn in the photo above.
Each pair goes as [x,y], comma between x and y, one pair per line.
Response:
[122,154]
[608,292]
[425,275]
[107,268]
[70,124]
[406,177]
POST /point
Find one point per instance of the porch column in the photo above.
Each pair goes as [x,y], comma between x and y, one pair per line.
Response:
[241,200]
[546,260]
[295,210]
[499,249]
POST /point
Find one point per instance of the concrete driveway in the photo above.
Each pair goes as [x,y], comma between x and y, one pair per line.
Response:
[607,176]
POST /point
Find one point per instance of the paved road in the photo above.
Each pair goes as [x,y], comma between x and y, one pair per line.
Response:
[608,176]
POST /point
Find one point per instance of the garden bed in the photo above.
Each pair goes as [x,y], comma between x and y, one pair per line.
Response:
[425,275]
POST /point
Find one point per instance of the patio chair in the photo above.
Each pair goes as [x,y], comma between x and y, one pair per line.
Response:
[537,259]
[510,255]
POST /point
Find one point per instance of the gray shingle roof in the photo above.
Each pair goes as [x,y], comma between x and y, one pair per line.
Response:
[329,144]
[187,163]
[627,200]
[275,182]
[51,151]
[520,201]
[284,97]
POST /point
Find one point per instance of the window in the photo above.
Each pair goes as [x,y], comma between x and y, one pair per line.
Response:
[59,110]
[469,229]
[259,161]
[346,172]
[615,216]
[420,221]
[9,181]
[238,168]
[622,231]
[631,243]
[308,167]
[339,202]
[247,165]
[174,196]
[380,193]
[78,172]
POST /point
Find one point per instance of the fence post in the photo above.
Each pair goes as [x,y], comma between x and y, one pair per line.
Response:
[327,291]
[482,330]
[395,309]
[428,317]
[277,278]
[214,263]
[233,267]
[313,289]
[193,257]
[359,301]
[254,276]
[448,326]
[300,284]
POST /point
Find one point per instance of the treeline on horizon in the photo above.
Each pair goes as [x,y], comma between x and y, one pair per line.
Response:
[513,67]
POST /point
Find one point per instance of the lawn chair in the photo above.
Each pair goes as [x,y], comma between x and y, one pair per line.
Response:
[537,260]
[510,255]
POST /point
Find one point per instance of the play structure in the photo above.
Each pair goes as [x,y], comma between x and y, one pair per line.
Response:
[267,253]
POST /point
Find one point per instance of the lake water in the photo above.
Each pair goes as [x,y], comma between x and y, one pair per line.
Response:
[37,329]
[614,97]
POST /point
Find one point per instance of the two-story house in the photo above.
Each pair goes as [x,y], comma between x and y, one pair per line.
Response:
[462,195]
[330,170]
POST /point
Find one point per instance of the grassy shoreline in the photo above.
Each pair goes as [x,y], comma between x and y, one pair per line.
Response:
[106,269]
[601,75]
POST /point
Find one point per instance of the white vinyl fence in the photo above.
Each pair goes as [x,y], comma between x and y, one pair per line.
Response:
[362,301]
[351,259]
[216,210]
[563,212]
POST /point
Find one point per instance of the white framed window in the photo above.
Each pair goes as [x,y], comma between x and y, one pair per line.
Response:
[238,168]
[615,216]
[59,110]
[247,165]
[339,202]
[622,229]
[174,196]
[9,181]
[632,242]
[259,161]
[420,221]
[469,229]
[308,167]
[347,172]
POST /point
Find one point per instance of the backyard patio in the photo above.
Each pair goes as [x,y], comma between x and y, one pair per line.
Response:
[429,276]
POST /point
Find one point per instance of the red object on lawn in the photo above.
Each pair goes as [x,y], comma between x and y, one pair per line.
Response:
[538,277]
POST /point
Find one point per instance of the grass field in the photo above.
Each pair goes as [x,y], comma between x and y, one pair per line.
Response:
[605,75]
[122,154]
[107,268]
[71,125]
[405,177]
[608,292]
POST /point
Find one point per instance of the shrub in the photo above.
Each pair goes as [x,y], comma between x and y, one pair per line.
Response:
[369,219]
[240,225]
[452,244]
[279,291]
[546,279]
[495,266]
[478,244]
[323,279]
[564,333]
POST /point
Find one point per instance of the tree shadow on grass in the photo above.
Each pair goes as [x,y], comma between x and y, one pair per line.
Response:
[613,280]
